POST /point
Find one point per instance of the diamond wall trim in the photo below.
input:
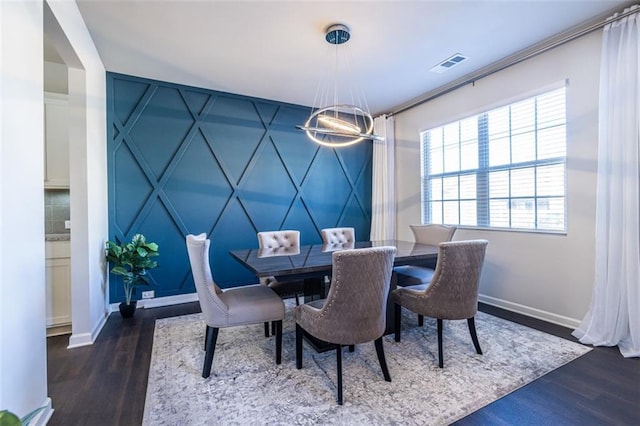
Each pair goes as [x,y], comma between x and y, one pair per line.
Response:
[187,160]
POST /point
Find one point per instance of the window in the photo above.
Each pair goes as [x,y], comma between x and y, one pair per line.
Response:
[504,168]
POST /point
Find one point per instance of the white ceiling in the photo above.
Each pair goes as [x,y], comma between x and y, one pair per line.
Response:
[276,49]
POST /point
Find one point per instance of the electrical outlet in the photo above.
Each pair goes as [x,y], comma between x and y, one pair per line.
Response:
[67,224]
[148,294]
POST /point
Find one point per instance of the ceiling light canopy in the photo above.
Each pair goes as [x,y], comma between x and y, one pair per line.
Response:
[339,116]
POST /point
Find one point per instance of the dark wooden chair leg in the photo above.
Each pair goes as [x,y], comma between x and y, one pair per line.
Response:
[472,329]
[339,368]
[420,320]
[206,336]
[266,329]
[440,357]
[298,347]
[398,321]
[210,344]
[382,359]
[273,328]
[297,300]
[352,348]
[278,341]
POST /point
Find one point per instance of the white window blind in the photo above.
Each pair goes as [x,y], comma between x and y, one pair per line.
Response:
[503,168]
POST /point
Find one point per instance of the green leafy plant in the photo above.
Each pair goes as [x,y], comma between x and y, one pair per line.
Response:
[7,418]
[132,261]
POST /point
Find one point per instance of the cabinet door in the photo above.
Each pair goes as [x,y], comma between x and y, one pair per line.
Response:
[58,298]
[56,116]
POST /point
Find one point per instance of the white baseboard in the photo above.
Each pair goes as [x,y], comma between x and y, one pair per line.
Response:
[79,339]
[58,330]
[530,312]
[161,301]
[98,328]
[85,339]
[45,415]
[168,300]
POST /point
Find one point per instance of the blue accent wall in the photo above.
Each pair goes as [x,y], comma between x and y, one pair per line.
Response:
[187,160]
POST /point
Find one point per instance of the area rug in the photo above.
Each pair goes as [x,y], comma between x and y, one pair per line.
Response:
[247,387]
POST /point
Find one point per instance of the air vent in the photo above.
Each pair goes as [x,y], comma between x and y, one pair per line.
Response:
[448,63]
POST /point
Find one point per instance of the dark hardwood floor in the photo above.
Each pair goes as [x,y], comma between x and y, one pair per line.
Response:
[599,388]
[105,383]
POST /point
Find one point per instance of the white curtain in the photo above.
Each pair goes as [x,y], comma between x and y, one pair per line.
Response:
[383,215]
[614,314]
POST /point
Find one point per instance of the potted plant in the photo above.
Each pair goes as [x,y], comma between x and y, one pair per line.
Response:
[7,418]
[131,261]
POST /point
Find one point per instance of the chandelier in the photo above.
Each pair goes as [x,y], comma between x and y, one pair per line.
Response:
[339,116]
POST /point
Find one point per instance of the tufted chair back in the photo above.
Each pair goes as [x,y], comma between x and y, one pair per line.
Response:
[432,234]
[337,246]
[277,243]
[278,251]
[355,309]
[284,239]
[335,236]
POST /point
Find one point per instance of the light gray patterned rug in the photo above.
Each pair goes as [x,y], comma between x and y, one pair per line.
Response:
[246,386]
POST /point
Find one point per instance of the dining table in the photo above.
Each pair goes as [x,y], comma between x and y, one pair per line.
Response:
[312,263]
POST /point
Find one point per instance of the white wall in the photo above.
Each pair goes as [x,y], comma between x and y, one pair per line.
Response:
[23,362]
[56,79]
[88,169]
[543,275]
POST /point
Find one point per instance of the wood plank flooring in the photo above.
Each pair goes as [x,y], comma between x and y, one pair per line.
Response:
[599,388]
[105,383]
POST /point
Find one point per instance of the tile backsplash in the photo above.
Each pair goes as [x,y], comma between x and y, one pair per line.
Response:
[56,211]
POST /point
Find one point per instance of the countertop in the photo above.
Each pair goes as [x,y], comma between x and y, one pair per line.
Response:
[57,237]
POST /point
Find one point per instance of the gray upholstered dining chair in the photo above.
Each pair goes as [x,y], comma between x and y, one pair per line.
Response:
[432,234]
[452,294]
[234,307]
[355,308]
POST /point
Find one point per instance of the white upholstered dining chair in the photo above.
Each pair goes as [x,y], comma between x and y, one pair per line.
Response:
[333,236]
[284,242]
[281,242]
[410,275]
[234,307]
[432,234]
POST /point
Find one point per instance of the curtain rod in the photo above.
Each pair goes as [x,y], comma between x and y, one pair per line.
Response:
[545,46]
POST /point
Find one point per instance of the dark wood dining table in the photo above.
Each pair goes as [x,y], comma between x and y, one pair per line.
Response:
[312,263]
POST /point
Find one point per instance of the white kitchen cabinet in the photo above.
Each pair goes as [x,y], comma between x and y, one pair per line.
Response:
[56,144]
[58,283]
